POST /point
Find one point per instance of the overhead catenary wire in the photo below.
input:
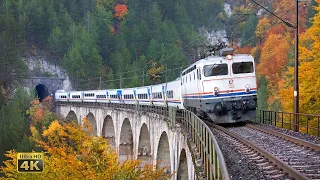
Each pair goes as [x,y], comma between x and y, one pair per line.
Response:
[98,79]
[90,82]
[148,63]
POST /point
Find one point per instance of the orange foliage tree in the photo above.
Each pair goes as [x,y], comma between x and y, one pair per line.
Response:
[112,30]
[276,39]
[40,113]
[121,11]
[273,57]
[309,72]
[244,50]
[70,153]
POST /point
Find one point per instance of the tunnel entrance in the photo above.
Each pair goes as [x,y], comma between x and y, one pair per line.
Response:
[42,92]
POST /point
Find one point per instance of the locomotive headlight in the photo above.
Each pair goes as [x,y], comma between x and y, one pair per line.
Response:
[216,91]
[229,57]
[247,88]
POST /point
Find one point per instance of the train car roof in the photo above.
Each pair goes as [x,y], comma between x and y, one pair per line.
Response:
[90,91]
[60,91]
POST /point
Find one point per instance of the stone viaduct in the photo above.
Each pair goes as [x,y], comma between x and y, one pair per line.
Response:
[136,134]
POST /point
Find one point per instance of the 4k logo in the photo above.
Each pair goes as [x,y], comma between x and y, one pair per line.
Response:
[30,162]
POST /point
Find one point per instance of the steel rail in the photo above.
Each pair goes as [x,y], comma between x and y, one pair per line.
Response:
[286,137]
[281,164]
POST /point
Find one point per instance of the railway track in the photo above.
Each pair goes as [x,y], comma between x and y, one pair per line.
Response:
[275,153]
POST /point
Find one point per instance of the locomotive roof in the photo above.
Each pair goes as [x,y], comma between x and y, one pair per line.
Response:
[216,58]
[210,58]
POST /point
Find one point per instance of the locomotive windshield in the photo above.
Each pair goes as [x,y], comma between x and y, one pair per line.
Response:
[242,67]
[215,70]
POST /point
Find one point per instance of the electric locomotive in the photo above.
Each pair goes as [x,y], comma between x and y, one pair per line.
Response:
[222,88]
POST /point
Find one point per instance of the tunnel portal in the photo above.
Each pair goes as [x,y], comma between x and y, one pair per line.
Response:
[42,92]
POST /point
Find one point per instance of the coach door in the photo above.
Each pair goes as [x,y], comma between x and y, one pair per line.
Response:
[135,96]
[184,90]
[119,93]
[149,95]
[164,93]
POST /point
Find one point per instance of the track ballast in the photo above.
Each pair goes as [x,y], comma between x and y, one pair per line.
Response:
[275,154]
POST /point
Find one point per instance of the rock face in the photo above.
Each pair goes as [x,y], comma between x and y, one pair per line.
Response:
[45,78]
[227,9]
[214,37]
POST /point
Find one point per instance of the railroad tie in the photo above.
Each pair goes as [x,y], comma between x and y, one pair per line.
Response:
[277,176]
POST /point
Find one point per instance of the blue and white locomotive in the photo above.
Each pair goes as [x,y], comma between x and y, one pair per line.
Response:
[222,88]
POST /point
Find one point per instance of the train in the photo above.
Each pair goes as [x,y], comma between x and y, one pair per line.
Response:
[222,88]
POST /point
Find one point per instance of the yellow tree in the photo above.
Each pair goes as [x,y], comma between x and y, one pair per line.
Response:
[154,72]
[309,72]
[70,153]
[309,49]
[262,26]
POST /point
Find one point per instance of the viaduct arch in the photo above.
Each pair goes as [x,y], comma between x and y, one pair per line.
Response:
[135,135]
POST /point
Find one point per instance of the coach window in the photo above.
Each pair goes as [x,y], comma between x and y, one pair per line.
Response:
[215,70]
